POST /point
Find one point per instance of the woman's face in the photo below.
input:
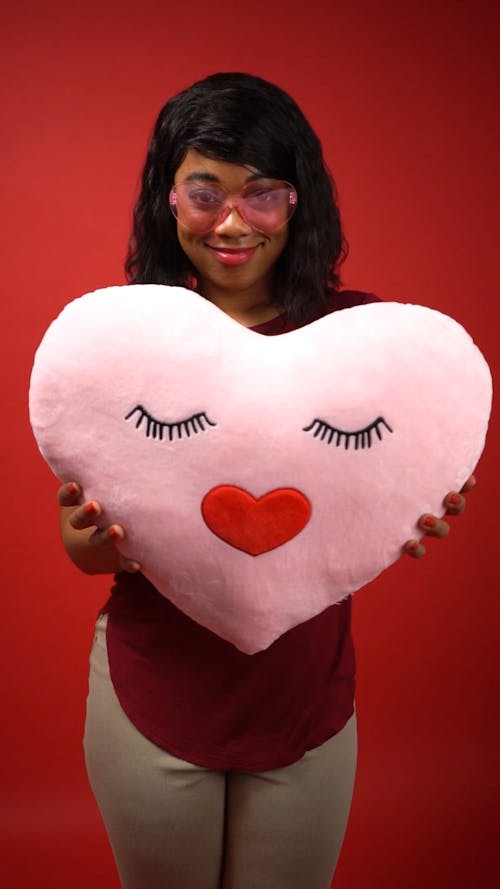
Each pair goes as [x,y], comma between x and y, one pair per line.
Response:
[232,259]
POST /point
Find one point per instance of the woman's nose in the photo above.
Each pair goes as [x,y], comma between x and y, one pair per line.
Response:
[233,223]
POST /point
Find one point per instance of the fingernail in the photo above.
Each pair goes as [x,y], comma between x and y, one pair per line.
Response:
[90,508]
[114,533]
[412,547]
[72,488]
[429,521]
[454,498]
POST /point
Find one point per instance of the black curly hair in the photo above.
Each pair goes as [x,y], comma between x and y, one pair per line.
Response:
[248,121]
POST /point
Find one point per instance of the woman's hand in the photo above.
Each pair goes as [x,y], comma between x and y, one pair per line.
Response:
[454,503]
[92,549]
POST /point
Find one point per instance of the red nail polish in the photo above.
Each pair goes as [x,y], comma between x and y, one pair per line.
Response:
[430,521]
[90,508]
[72,488]
[412,547]
[112,532]
[454,498]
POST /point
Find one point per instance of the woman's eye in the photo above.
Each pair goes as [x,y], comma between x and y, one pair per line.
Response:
[263,196]
[361,438]
[164,430]
[205,198]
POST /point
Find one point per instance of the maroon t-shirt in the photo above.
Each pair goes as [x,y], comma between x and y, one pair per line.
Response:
[198,697]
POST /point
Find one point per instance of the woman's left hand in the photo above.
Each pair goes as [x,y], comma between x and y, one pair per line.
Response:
[454,503]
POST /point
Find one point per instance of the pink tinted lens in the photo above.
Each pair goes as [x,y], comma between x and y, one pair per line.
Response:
[197,207]
[268,208]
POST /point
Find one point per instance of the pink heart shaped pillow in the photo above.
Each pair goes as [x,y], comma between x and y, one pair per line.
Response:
[259,479]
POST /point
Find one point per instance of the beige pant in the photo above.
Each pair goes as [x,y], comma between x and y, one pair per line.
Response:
[174,825]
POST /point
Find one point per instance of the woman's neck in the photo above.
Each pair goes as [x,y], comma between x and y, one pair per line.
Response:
[249,308]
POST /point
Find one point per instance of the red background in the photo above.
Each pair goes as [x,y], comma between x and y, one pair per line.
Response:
[404,96]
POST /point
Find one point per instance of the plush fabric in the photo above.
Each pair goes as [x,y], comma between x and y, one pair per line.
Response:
[259,479]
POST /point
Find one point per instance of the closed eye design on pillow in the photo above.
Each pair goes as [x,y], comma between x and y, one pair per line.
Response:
[163,430]
[362,438]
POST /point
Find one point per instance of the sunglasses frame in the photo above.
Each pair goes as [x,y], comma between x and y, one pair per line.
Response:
[234,202]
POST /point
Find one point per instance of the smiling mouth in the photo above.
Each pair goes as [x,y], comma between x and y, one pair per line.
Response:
[232,255]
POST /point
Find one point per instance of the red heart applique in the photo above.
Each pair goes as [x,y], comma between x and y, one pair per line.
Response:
[255,525]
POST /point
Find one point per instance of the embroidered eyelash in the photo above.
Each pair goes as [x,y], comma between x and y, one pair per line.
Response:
[362,438]
[180,429]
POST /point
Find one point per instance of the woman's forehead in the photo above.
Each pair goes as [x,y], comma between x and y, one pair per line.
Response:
[197,166]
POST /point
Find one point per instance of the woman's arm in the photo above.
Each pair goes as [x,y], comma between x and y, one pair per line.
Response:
[92,550]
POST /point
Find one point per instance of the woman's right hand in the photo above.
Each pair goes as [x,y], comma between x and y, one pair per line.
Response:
[91,548]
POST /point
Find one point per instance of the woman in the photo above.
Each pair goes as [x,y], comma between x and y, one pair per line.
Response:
[213,768]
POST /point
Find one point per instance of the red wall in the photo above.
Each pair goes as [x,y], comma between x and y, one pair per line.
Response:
[403,95]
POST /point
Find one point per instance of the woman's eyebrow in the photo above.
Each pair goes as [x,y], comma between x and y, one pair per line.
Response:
[256,175]
[205,176]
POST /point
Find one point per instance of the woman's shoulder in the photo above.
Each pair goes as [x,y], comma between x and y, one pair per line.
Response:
[336,300]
